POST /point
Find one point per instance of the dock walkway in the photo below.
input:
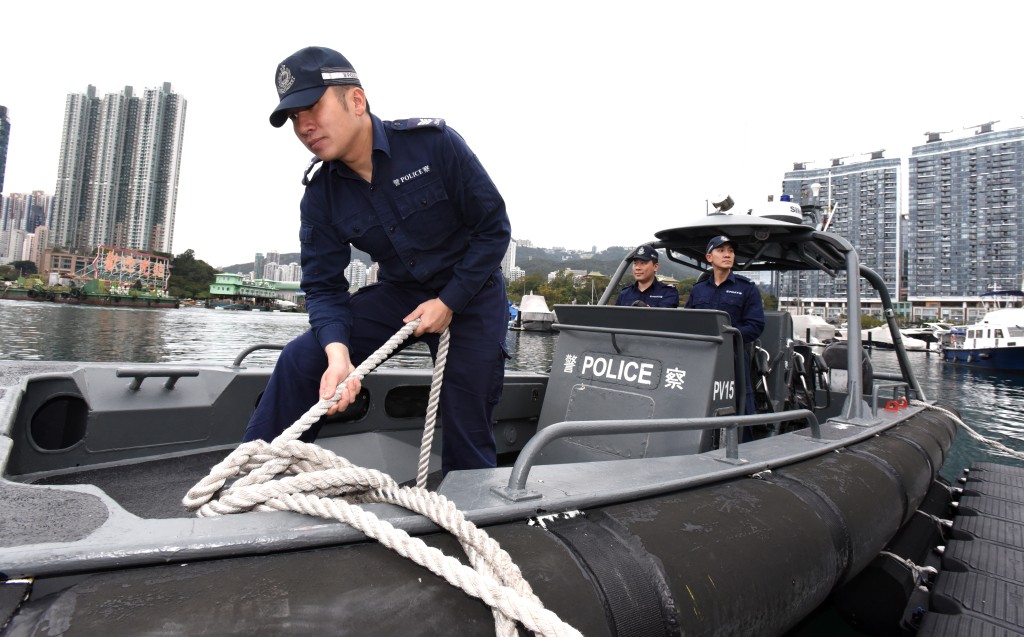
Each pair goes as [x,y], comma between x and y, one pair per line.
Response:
[979,589]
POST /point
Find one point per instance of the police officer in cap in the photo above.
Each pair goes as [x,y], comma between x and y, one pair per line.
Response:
[734,294]
[414,196]
[647,290]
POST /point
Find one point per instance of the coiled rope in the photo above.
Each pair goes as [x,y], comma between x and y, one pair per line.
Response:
[995,444]
[318,482]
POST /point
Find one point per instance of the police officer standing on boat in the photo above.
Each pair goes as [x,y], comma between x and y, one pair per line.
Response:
[647,290]
[413,195]
[734,294]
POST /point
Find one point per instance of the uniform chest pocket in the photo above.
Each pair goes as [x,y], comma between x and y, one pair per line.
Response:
[427,215]
[358,227]
[732,300]
[700,301]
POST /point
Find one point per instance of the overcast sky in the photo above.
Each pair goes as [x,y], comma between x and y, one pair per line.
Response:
[600,122]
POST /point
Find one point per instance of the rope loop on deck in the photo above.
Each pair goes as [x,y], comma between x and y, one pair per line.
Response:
[995,444]
[287,474]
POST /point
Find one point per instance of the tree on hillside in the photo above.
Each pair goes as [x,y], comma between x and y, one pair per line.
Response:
[685,287]
[25,267]
[190,277]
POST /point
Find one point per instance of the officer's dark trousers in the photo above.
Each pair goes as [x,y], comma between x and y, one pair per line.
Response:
[472,381]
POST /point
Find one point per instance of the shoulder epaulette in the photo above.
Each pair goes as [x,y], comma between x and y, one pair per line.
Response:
[312,171]
[417,122]
[742,278]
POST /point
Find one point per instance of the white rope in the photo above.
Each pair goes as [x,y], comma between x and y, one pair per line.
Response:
[995,444]
[435,394]
[922,574]
[320,483]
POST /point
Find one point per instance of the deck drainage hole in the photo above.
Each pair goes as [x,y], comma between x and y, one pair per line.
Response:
[59,423]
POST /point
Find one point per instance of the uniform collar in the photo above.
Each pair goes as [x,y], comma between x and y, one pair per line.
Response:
[380,143]
[729,279]
[380,137]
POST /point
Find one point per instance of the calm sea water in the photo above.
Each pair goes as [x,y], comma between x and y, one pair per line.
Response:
[990,403]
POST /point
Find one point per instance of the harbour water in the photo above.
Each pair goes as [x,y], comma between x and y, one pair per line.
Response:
[990,403]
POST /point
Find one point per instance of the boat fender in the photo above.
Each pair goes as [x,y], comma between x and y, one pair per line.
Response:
[628,579]
[75,292]
[49,296]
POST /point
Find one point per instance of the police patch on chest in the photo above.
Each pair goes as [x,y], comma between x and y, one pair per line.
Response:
[413,175]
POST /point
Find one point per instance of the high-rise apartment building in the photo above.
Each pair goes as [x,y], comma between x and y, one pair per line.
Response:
[257,265]
[509,260]
[23,217]
[356,274]
[859,201]
[965,232]
[117,177]
[5,136]
[25,211]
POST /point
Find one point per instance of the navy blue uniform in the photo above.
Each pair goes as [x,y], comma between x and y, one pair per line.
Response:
[437,227]
[657,294]
[739,297]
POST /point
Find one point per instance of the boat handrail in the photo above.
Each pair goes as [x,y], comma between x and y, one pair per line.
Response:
[253,348]
[878,284]
[140,374]
[274,346]
[685,336]
[527,457]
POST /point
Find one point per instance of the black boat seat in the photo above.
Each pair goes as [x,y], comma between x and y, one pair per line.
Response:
[771,368]
[835,356]
[810,373]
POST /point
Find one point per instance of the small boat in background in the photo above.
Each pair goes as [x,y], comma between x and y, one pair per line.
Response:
[812,329]
[930,333]
[997,341]
[881,337]
[534,314]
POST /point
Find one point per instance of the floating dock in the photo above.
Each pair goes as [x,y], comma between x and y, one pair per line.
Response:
[979,587]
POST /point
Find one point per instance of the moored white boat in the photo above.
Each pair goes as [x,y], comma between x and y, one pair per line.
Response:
[534,314]
[996,342]
[882,337]
[931,333]
[812,329]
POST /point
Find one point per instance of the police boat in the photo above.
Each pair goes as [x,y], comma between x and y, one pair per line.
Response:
[623,503]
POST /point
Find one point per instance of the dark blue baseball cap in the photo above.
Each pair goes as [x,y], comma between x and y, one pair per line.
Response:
[303,76]
[646,252]
[717,241]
